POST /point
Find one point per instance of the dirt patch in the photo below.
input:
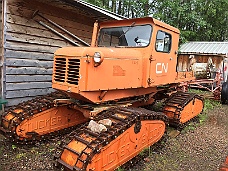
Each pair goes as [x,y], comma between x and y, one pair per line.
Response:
[14,157]
[203,147]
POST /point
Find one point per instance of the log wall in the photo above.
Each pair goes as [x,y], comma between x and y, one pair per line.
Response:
[29,46]
[1,49]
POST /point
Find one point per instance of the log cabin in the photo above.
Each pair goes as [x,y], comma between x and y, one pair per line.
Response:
[31,31]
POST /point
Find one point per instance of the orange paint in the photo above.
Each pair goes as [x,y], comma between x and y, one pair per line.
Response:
[54,119]
[123,62]
[126,71]
[120,150]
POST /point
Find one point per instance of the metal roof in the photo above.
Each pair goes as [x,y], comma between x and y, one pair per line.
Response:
[101,10]
[98,12]
[204,48]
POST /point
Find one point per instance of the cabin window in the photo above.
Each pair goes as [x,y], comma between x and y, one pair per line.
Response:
[163,42]
[127,36]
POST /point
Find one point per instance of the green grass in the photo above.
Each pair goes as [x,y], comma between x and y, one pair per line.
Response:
[163,160]
[20,155]
[119,169]
[144,151]
[199,92]
[14,147]
[208,106]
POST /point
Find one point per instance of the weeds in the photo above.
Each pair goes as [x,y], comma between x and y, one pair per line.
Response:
[14,147]
[210,104]
[20,155]
[51,149]
[119,169]
[157,106]
[143,152]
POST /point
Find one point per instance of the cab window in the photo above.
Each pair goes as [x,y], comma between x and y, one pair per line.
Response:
[127,36]
[163,42]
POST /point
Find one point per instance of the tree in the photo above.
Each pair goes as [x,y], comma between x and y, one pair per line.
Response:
[198,20]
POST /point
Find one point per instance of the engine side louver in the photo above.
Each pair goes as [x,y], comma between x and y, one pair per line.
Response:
[67,70]
[60,69]
[73,71]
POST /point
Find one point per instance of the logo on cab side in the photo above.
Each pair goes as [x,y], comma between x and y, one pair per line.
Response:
[161,68]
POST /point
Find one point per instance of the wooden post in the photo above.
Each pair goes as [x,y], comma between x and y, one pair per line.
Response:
[3,65]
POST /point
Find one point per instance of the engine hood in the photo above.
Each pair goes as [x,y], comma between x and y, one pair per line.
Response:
[107,52]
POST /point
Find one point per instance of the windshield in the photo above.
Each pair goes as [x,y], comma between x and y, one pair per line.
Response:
[130,36]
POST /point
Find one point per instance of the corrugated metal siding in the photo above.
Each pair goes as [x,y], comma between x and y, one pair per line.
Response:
[100,11]
[29,46]
[204,48]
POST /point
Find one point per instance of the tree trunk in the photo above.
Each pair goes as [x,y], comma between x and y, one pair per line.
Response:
[146,8]
[119,7]
[114,6]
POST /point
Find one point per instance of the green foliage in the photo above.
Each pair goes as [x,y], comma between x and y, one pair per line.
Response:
[210,104]
[190,127]
[20,155]
[198,20]
[14,146]
[51,149]
[119,169]
[157,106]
[202,117]
[144,151]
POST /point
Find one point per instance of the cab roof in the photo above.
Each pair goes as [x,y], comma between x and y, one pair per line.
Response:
[146,20]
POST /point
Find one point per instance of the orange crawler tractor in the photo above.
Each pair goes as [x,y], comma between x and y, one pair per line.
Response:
[130,64]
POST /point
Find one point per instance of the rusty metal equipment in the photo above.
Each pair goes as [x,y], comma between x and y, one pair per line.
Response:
[210,72]
[36,13]
[130,64]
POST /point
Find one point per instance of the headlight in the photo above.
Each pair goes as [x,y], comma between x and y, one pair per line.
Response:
[98,58]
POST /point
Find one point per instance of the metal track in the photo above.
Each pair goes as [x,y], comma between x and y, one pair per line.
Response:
[123,119]
[25,110]
[178,101]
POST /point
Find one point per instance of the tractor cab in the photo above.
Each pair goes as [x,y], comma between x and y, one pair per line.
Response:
[126,58]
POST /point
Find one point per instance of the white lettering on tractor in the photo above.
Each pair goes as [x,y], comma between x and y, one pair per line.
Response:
[161,68]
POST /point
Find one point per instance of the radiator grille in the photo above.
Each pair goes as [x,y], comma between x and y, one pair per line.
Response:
[60,68]
[73,71]
[67,70]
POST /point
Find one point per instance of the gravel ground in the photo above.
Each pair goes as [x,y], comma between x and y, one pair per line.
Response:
[196,148]
[202,147]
